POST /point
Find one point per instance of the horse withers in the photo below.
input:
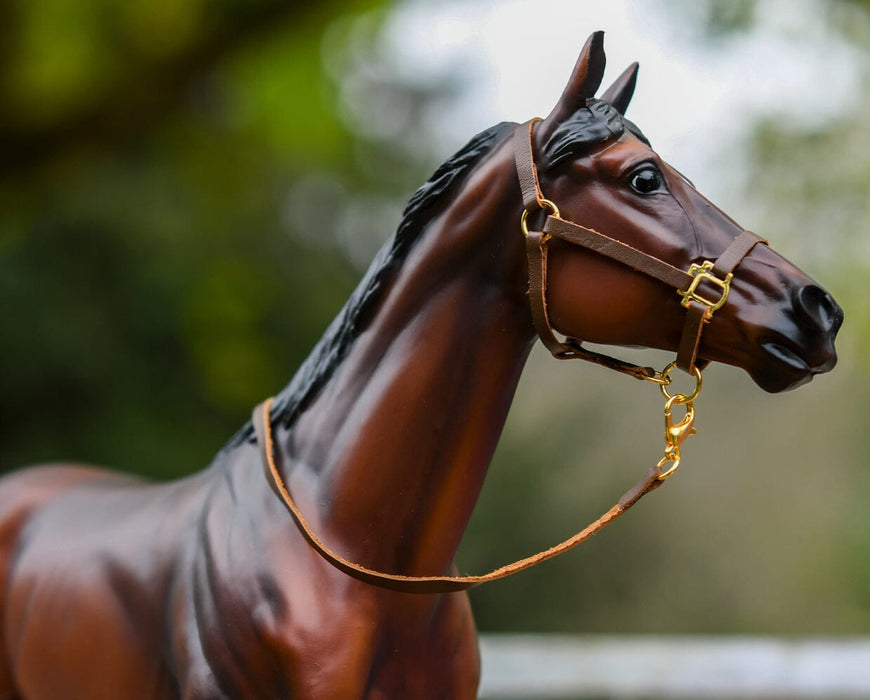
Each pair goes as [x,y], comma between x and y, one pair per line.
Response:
[207,587]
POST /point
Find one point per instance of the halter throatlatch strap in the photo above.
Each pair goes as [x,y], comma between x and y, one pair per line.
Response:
[428,584]
[699,306]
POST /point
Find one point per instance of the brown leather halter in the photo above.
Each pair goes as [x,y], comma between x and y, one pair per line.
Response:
[699,308]
[699,311]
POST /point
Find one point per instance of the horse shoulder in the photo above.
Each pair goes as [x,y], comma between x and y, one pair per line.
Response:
[277,620]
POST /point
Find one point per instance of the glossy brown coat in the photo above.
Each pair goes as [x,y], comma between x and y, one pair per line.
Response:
[204,588]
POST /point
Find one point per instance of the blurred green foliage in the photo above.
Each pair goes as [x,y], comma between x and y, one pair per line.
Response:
[153,282]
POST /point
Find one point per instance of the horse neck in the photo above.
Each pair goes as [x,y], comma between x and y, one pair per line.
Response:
[389,458]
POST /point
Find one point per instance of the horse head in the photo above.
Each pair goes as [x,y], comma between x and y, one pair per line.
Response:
[600,171]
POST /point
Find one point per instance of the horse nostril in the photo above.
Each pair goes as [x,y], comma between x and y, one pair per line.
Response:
[819,307]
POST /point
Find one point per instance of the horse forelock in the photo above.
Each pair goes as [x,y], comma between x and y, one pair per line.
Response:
[593,125]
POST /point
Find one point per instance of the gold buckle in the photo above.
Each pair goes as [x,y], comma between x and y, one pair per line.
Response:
[702,273]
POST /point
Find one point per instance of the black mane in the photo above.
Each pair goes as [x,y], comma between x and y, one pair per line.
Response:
[591,125]
[335,343]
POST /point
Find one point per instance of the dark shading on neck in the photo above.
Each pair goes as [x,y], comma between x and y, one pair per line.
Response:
[335,343]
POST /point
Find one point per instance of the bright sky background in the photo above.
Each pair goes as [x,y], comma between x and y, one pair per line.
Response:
[692,101]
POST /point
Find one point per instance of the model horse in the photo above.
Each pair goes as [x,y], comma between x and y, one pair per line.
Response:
[208,588]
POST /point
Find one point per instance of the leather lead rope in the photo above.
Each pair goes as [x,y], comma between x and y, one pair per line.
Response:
[699,311]
[428,584]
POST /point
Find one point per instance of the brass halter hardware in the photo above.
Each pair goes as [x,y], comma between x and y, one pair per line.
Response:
[676,432]
[666,382]
[524,224]
[703,273]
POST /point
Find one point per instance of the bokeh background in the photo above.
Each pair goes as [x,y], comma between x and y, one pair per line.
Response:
[189,190]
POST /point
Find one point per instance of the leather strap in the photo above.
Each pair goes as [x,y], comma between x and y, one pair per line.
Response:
[429,584]
[527,171]
[697,316]
[737,250]
[618,251]
[536,251]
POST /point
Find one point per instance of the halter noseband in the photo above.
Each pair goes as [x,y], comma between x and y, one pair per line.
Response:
[699,308]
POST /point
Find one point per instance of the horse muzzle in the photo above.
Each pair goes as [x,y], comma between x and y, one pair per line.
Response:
[805,347]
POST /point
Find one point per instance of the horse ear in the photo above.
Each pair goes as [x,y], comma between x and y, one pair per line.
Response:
[585,79]
[619,94]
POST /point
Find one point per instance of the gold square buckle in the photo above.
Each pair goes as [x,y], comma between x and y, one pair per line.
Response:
[702,273]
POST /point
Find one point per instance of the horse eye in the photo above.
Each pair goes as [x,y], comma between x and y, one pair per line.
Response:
[647,180]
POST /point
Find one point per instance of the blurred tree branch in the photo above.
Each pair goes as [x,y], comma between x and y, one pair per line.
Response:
[148,155]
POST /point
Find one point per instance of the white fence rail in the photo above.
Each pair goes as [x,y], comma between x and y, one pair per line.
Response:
[542,667]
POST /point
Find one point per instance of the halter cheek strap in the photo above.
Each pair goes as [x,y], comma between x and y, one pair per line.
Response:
[699,305]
